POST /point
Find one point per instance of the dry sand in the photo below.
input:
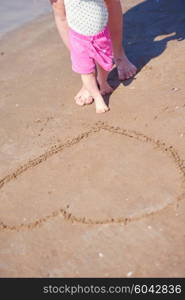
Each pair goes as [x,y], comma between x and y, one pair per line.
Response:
[87,195]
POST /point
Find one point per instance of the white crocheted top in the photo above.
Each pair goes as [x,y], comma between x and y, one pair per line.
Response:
[87,17]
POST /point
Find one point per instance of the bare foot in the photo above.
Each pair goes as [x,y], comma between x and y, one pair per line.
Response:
[125,68]
[101,107]
[83,97]
[105,88]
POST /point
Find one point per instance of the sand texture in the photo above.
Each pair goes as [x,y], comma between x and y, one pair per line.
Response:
[89,195]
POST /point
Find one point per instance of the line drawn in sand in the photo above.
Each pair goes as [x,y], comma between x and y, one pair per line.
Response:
[170,109]
[68,216]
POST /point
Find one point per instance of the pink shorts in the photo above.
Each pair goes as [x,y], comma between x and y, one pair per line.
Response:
[86,51]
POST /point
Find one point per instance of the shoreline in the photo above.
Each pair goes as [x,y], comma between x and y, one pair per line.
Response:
[26,27]
[36,19]
[20,12]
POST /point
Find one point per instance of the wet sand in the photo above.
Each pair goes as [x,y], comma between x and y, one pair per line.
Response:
[88,195]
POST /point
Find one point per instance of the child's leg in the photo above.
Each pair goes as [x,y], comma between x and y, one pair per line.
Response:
[89,81]
[102,75]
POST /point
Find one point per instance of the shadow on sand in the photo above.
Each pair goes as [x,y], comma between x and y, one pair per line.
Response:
[149,26]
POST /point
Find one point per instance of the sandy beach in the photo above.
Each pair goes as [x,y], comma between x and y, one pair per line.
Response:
[89,195]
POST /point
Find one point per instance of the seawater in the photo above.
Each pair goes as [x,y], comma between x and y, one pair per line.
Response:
[15,13]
